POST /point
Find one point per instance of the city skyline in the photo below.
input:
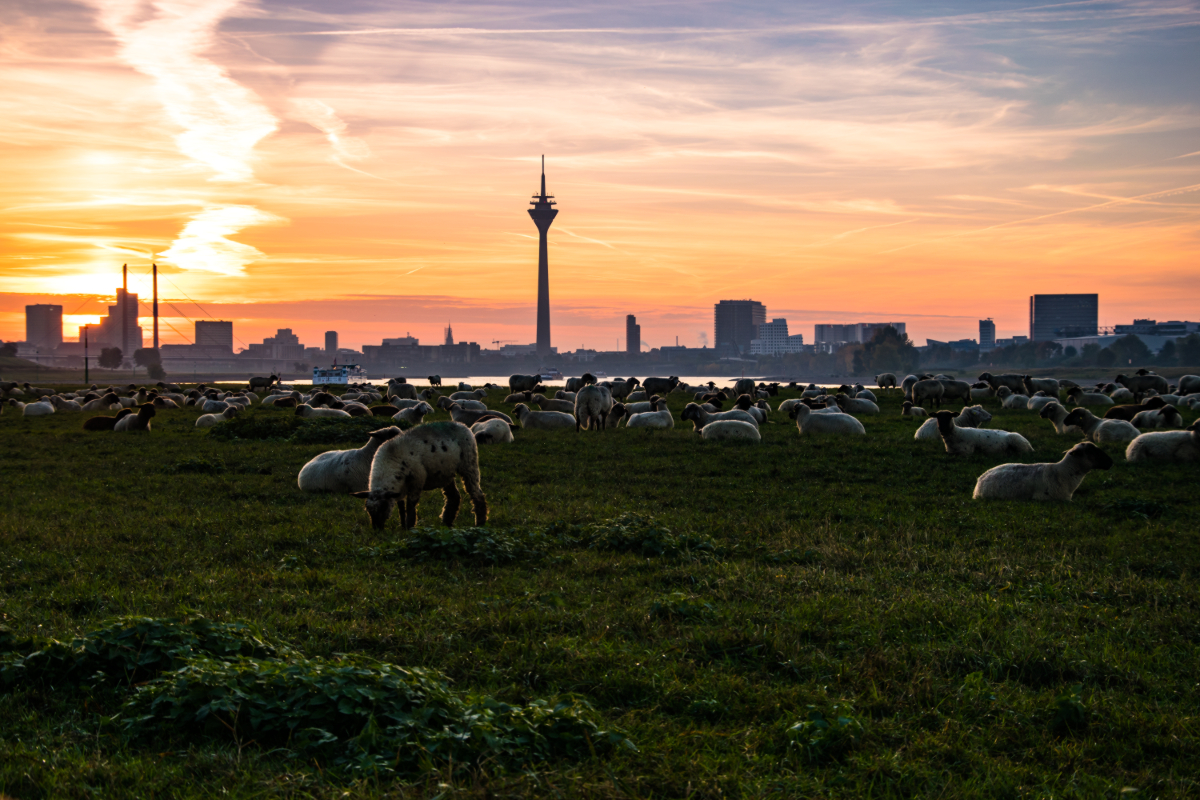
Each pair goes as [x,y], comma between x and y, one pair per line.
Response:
[850,163]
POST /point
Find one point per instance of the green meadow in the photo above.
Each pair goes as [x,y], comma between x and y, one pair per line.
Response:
[644,615]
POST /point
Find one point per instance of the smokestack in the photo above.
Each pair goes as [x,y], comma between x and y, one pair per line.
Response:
[154,267]
[125,277]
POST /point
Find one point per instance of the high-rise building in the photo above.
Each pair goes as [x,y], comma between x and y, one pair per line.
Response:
[215,333]
[331,343]
[773,339]
[633,336]
[1055,316]
[736,322]
[120,328]
[543,213]
[987,334]
[853,333]
[43,326]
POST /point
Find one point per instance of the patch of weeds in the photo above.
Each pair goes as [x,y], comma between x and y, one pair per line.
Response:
[288,427]
[790,557]
[257,427]
[645,536]
[1135,509]
[706,708]
[821,739]
[1068,712]
[290,564]
[680,605]
[353,430]
[485,545]
[197,465]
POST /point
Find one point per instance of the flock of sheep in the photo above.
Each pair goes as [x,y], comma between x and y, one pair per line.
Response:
[400,462]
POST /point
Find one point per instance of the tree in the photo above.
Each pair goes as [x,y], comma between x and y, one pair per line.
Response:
[146,356]
[1106,358]
[1090,353]
[1188,348]
[1166,356]
[111,357]
[890,351]
[8,350]
[1130,350]
[1070,352]
[156,371]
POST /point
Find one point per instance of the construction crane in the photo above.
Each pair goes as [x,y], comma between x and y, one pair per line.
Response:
[503,341]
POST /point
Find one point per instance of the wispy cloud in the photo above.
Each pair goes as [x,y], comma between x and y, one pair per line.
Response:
[204,244]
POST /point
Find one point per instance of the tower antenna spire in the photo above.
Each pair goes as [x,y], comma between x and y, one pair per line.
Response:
[543,213]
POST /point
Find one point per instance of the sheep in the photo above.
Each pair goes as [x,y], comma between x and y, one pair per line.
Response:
[575,384]
[1122,395]
[214,406]
[444,403]
[40,408]
[969,417]
[1013,382]
[257,383]
[561,395]
[866,394]
[274,399]
[428,457]
[1034,385]
[639,396]
[1165,417]
[542,420]
[1082,398]
[728,430]
[886,380]
[809,422]
[477,394]
[546,404]
[344,471]
[1128,412]
[413,415]
[519,397]
[701,418]
[523,383]
[622,389]
[852,405]
[1016,401]
[966,441]
[1055,481]
[463,386]
[1101,430]
[639,408]
[1166,446]
[1039,402]
[786,406]
[955,390]
[659,417]
[592,406]
[164,402]
[307,411]
[469,417]
[62,404]
[1057,416]
[981,391]
[1140,384]
[909,410]
[931,390]
[137,422]
[1189,384]
[492,431]
[211,420]
[744,403]
[104,423]
[406,391]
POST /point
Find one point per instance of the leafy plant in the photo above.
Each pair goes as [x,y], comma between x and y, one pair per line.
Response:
[1068,711]
[487,545]
[633,533]
[821,738]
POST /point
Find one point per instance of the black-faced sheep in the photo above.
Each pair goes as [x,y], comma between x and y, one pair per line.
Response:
[575,384]
[1058,418]
[523,383]
[743,386]
[492,431]
[1141,384]
[426,458]
[1012,381]
[853,405]
[966,441]
[546,404]
[260,383]
[1154,419]
[1128,412]
[1057,481]
[660,386]
[1101,430]
[139,421]
[106,423]
[1034,385]
[1166,446]
[969,417]
[413,415]
[658,417]
[909,410]
[1081,398]
[701,418]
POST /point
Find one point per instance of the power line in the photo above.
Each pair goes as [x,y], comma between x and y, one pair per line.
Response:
[197,305]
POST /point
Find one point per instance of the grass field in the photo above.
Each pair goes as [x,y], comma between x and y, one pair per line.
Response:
[803,617]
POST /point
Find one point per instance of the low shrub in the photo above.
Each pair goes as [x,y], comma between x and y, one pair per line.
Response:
[633,533]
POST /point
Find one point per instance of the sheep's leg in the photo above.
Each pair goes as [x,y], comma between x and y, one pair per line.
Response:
[478,503]
[453,501]
[410,516]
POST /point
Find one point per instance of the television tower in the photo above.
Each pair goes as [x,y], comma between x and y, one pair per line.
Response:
[543,213]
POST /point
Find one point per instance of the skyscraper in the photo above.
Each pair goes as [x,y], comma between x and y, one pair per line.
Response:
[331,343]
[633,336]
[1054,316]
[543,213]
[43,326]
[736,323]
[215,333]
[987,334]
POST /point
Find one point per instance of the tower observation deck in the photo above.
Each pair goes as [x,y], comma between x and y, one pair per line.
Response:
[543,213]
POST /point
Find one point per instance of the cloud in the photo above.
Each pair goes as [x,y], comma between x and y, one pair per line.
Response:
[203,243]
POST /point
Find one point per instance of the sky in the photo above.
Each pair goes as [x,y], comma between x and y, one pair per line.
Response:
[365,167]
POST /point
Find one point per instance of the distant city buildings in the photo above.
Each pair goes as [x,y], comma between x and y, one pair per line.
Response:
[987,335]
[633,336]
[283,346]
[773,339]
[1055,316]
[119,328]
[1149,327]
[43,326]
[215,333]
[331,343]
[735,324]
[832,335]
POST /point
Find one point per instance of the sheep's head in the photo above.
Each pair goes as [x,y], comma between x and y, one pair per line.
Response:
[690,411]
[1093,456]
[520,409]
[1077,417]
[379,506]
[1154,402]
[945,420]
[1050,410]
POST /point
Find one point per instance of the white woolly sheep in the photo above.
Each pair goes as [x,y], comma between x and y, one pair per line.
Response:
[477,394]
[492,431]
[137,422]
[542,420]
[425,458]
[853,405]
[1166,446]
[211,420]
[1158,418]
[1058,416]
[40,408]
[1034,385]
[659,417]
[969,417]
[414,414]
[1121,395]
[546,404]
[1016,401]
[1057,481]
[344,471]
[1082,398]
[561,395]
[1040,402]
[1101,430]
[63,404]
[927,391]
[966,441]
[1189,384]
[727,430]
[701,418]
[592,406]
[866,394]
[909,410]
[307,411]
[886,380]
[809,422]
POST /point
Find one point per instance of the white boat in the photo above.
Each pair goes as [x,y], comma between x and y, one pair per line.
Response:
[339,374]
[550,374]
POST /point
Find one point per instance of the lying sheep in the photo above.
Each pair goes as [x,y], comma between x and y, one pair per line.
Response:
[1034,385]
[1165,417]
[1039,402]
[477,394]
[969,417]
[308,412]
[41,408]
[561,395]
[109,402]
[1122,395]
[519,397]
[413,415]
[542,420]
[809,422]
[62,404]
[1016,401]
[909,410]
[546,404]
[786,406]
[1058,417]
[700,418]
[866,394]
[1081,398]
[1101,430]
[967,441]
[1128,412]
[492,431]
[981,391]
[211,420]
[444,403]
[1166,446]
[469,417]
[426,458]
[853,405]
[1189,384]
[727,430]
[106,423]
[137,422]
[344,471]
[659,417]
[1056,481]
[593,403]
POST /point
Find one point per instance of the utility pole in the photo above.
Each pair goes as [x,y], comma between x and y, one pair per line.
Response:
[154,267]
[85,356]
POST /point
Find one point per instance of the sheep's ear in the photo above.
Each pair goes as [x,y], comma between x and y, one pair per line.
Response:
[360,495]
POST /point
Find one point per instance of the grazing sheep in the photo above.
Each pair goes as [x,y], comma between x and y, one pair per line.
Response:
[1166,446]
[523,383]
[700,418]
[852,405]
[1165,417]
[413,415]
[966,441]
[592,406]
[258,383]
[1057,481]
[399,388]
[660,386]
[492,431]
[658,417]
[428,457]
[1014,382]
[743,386]
[730,430]
[211,420]
[1019,401]
[622,389]
[1081,398]
[1141,384]
[808,422]
[307,411]
[955,390]
[106,423]
[542,420]
[909,410]
[969,417]
[1101,430]
[546,404]
[1034,385]
[344,471]
[927,391]
[137,422]
[1058,416]
[886,380]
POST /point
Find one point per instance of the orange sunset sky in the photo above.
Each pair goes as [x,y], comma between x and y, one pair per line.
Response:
[365,167]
